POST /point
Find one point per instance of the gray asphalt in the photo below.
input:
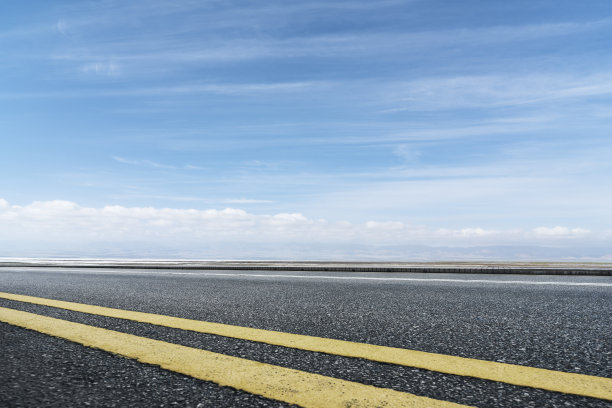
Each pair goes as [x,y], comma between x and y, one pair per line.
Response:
[555,322]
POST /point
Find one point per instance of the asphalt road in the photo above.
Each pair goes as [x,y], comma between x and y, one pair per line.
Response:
[555,322]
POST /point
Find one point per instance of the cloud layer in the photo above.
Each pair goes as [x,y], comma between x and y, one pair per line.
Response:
[235,232]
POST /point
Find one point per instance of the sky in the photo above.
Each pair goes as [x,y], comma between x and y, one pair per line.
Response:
[361,130]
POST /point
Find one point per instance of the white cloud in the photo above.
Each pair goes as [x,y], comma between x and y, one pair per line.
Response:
[387,225]
[65,220]
[560,231]
[285,218]
[63,228]
[475,232]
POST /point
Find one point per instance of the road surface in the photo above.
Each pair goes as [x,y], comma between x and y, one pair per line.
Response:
[558,323]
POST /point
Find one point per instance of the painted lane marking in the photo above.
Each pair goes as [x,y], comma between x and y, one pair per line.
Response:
[569,383]
[517,282]
[274,382]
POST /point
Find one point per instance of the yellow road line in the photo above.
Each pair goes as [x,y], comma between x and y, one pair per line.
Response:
[279,383]
[569,383]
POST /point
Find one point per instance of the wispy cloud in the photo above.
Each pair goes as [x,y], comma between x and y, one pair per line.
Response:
[228,89]
[101,68]
[388,97]
[61,26]
[407,153]
[143,163]
[192,167]
[247,201]
[414,132]
[350,133]
[493,91]
[255,31]
[379,42]
[154,164]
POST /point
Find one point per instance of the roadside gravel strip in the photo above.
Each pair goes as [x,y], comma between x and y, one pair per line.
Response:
[526,268]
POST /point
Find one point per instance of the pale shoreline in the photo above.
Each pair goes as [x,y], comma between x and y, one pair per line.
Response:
[532,268]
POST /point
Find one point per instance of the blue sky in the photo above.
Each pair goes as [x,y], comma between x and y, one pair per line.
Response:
[364,127]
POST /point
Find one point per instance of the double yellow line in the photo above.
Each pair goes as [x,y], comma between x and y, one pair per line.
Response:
[280,383]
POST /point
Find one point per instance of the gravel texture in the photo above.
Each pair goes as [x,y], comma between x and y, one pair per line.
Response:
[557,327]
